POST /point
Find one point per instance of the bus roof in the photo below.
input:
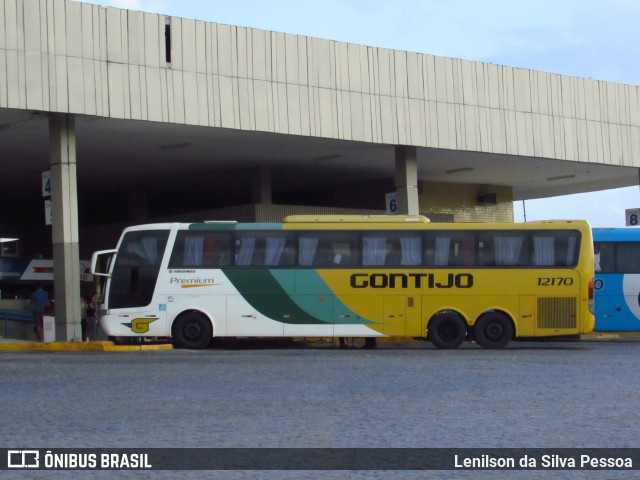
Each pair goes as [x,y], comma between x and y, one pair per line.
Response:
[616,234]
[356,219]
[363,222]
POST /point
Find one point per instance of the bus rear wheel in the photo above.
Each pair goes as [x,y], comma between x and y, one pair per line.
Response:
[192,331]
[493,330]
[447,330]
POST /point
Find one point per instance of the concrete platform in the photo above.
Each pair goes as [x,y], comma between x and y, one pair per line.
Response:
[100,346]
[108,346]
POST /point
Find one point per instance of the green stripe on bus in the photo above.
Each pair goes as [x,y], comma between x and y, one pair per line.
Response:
[271,292]
[313,295]
[272,300]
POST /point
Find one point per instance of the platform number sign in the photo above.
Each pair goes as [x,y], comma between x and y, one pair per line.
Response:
[46,193]
[633,217]
[46,184]
[392,203]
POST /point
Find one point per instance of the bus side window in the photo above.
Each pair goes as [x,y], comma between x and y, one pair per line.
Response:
[485,253]
[438,247]
[605,255]
[508,249]
[326,249]
[410,251]
[307,250]
[200,250]
[628,257]
[324,256]
[315,249]
[216,250]
[393,254]
[245,247]
[374,250]
[566,253]
[342,254]
[278,250]
[264,249]
[462,252]
[468,250]
[543,254]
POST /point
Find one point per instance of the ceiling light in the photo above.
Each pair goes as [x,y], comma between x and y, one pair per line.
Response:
[459,170]
[327,157]
[561,177]
[177,145]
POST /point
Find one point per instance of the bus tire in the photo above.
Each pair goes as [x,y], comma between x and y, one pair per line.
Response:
[192,330]
[493,330]
[447,330]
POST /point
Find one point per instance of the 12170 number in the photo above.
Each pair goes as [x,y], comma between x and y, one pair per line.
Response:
[554,281]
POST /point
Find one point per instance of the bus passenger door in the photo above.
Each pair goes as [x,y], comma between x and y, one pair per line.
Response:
[357,315]
[395,315]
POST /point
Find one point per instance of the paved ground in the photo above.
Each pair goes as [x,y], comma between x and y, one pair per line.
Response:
[560,394]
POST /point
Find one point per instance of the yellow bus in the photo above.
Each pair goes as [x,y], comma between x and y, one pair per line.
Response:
[349,276]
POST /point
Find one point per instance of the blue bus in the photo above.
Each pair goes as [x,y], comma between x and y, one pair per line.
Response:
[617,279]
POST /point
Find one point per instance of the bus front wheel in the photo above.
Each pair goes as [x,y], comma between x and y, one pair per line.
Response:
[192,330]
[447,330]
[493,330]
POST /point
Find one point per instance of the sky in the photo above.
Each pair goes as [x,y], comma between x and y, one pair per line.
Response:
[586,38]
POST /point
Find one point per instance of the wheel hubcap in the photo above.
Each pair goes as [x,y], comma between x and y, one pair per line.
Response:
[192,331]
[494,331]
[448,331]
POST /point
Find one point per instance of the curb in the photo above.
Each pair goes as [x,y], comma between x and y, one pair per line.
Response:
[102,346]
[608,335]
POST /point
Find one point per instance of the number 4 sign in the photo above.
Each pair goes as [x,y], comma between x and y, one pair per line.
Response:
[633,217]
[46,193]
[46,184]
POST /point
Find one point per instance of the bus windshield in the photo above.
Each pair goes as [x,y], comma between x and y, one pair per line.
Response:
[136,268]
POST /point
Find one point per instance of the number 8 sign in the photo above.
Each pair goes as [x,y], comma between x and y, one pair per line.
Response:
[633,217]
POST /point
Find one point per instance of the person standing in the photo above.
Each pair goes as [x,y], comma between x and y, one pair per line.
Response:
[39,300]
[91,318]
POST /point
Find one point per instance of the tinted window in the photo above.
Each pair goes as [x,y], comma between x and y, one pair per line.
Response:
[503,249]
[628,257]
[327,249]
[391,249]
[617,257]
[201,250]
[136,268]
[565,249]
[549,248]
[264,249]
[450,248]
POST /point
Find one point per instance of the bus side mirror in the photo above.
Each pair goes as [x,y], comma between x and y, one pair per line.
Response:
[95,262]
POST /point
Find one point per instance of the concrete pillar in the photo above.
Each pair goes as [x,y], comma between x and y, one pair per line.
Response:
[406,180]
[261,186]
[64,203]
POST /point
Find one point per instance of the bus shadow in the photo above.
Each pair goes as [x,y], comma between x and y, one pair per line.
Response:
[258,343]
